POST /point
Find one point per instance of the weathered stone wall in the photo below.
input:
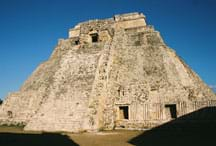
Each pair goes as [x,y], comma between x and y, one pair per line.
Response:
[24,104]
[144,70]
[84,84]
[129,21]
[149,115]
[67,104]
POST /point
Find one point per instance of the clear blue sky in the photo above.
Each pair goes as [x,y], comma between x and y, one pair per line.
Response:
[29,30]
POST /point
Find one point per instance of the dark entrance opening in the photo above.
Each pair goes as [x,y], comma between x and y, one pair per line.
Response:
[123,112]
[77,42]
[10,114]
[172,110]
[94,37]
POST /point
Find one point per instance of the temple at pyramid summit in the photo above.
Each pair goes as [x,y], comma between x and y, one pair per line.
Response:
[115,73]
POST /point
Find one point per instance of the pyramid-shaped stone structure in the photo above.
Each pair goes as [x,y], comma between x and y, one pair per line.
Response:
[111,73]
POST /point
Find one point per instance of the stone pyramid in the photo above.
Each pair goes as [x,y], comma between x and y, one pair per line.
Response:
[111,73]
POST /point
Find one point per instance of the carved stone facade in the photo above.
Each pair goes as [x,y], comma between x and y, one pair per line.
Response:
[111,73]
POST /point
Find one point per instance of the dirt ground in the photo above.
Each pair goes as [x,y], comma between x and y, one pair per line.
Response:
[14,136]
[106,138]
[187,135]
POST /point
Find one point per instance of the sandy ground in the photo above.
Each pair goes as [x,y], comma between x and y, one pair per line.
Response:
[106,138]
[187,135]
[17,137]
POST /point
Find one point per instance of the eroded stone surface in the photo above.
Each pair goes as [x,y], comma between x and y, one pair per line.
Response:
[112,73]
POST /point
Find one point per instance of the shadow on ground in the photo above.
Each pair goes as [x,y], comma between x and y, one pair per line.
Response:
[197,128]
[45,139]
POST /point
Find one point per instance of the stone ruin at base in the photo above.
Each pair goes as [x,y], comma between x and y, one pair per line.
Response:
[111,73]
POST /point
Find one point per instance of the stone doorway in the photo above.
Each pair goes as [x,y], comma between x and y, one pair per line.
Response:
[171,112]
[95,37]
[123,112]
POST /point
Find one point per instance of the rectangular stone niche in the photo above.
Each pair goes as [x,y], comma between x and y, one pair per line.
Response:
[171,111]
[123,112]
[95,37]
